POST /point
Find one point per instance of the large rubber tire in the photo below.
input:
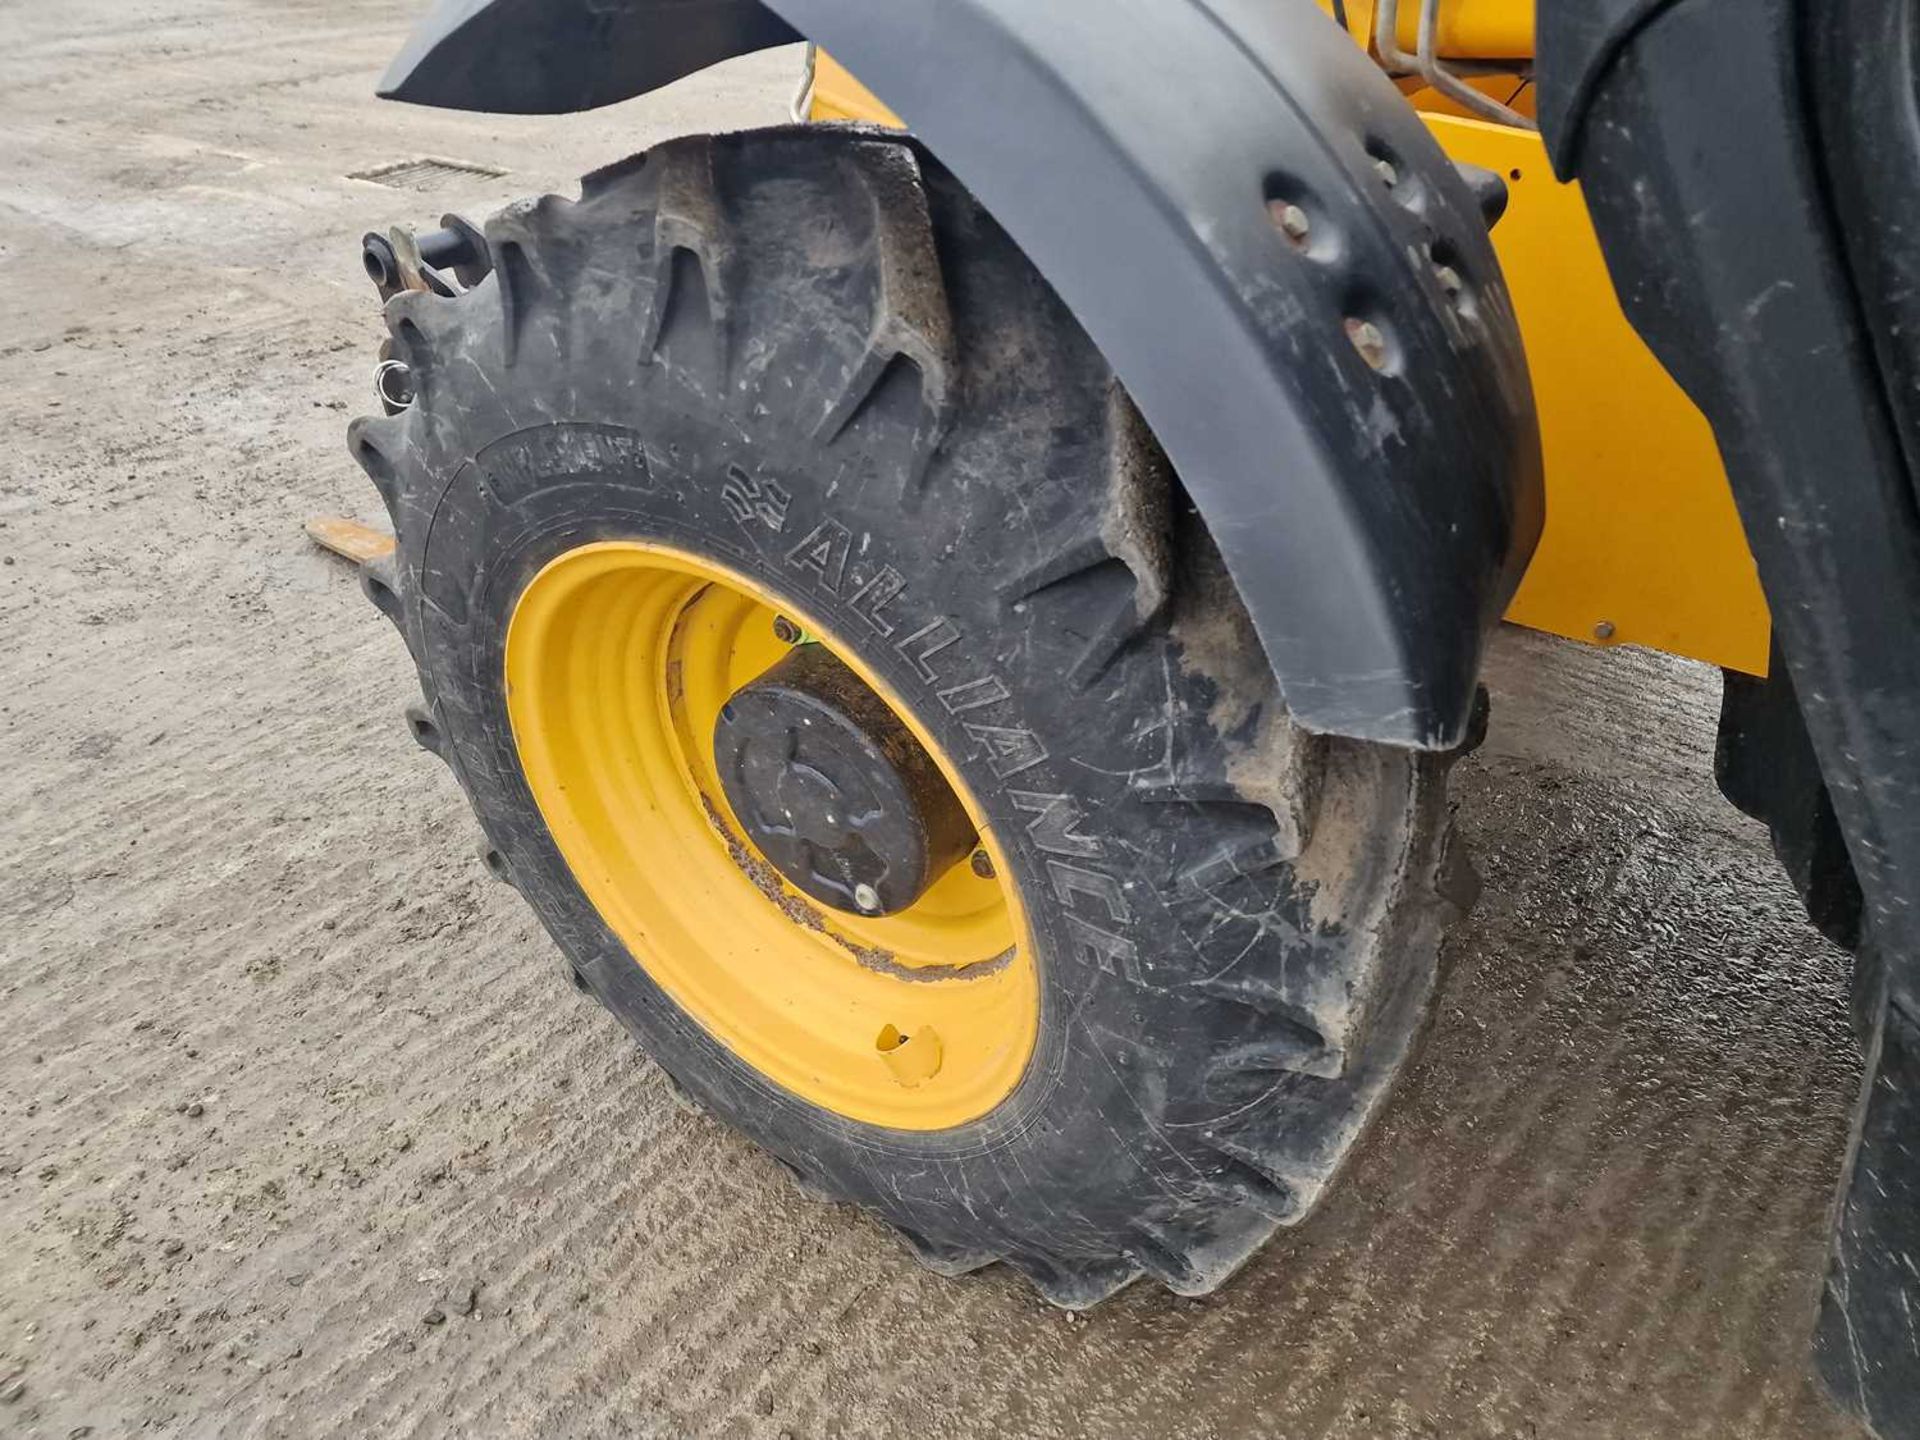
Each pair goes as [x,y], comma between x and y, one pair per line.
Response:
[809,354]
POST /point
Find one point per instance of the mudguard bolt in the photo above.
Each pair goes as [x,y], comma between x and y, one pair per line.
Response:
[785,631]
[1291,220]
[1368,340]
[983,864]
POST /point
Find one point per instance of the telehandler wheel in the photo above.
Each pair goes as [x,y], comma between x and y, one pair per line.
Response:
[835,667]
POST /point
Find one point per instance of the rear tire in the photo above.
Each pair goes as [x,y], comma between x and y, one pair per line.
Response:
[810,356]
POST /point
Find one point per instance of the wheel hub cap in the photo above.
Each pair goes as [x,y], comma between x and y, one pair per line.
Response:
[834,790]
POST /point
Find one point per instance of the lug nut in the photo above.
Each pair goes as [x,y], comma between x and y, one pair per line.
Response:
[1387,173]
[866,897]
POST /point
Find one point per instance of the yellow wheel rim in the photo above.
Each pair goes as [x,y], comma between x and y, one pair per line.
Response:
[619,657]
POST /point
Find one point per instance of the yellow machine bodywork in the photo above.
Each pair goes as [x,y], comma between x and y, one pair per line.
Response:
[1642,545]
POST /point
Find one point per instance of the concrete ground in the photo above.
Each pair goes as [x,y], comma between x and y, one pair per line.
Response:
[300,1132]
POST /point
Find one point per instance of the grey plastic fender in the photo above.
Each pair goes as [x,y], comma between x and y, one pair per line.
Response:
[553,57]
[1347,407]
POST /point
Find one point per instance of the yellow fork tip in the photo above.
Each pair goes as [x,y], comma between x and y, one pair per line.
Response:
[349,538]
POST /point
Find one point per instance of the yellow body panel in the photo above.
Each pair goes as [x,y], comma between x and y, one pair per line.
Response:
[838,96]
[1642,544]
[1480,29]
